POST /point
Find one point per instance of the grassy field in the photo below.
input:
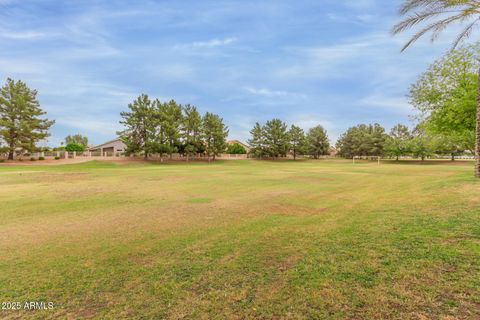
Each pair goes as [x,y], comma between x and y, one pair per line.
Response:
[241,239]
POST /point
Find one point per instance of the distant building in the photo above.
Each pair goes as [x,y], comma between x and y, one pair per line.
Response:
[333,152]
[111,147]
[247,147]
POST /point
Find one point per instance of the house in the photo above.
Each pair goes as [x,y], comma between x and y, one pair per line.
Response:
[247,147]
[110,147]
[333,152]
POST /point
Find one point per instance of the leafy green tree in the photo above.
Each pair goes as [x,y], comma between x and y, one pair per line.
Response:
[298,141]
[140,126]
[452,145]
[446,95]
[77,139]
[443,13]
[71,147]
[215,134]
[257,141]
[21,125]
[398,142]
[236,148]
[276,138]
[317,142]
[422,144]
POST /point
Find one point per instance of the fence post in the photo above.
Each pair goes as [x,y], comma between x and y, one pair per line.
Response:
[74,154]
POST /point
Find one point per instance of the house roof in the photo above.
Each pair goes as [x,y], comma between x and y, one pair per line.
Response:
[105,143]
[239,142]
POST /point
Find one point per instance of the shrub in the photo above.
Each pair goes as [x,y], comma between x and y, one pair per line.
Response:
[41,158]
[2,160]
[57,158]
[236,148]
[33,159]
[71,147]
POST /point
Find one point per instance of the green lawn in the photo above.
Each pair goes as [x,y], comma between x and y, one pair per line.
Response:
[241,240]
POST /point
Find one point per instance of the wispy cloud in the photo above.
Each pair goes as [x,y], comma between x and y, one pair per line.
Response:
[213,43]
[308,62]
[21,35]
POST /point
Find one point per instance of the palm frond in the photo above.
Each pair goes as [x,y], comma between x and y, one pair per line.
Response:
[447,11]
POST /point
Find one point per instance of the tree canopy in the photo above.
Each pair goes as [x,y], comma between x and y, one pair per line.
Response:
[317,142]
[362,140]
[77,139]
[21,122]
[153,127]
[446,96]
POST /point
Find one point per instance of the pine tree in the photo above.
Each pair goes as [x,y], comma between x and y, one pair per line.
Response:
[171,119]
[257,143]
[140,126]
[192,127]
[318,143]
[20,124]
[276,138]
[298,142]
[215,134]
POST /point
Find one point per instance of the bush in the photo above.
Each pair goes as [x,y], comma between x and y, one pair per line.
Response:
[236,148]
[57,158]
[41,158]
[71,147]
[33,159]
[2,160]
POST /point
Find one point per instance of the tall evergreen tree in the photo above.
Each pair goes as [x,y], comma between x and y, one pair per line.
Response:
[171,118]
[215,134]
[21,125]
[140,126]
[362,140]
[317,141]
[298,142]
[192,131]
[276,138]
[256,141]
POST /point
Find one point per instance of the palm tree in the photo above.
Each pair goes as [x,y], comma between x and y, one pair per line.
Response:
[435,16]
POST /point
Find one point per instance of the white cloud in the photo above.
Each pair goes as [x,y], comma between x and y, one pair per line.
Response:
[272,93]
[21,35]
[214,43]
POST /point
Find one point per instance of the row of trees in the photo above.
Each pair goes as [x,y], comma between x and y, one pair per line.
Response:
[372,140]
[153,127]
[274,139]
[22,124]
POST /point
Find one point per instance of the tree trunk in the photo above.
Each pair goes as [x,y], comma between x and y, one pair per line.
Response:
[453,156]
[397,158]
[423,158]
[10,155]
[294,155]
[477,145]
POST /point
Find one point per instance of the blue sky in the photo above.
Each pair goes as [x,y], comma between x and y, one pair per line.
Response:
[325,62]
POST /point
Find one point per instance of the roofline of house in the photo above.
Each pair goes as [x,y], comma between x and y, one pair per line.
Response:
[99,145]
